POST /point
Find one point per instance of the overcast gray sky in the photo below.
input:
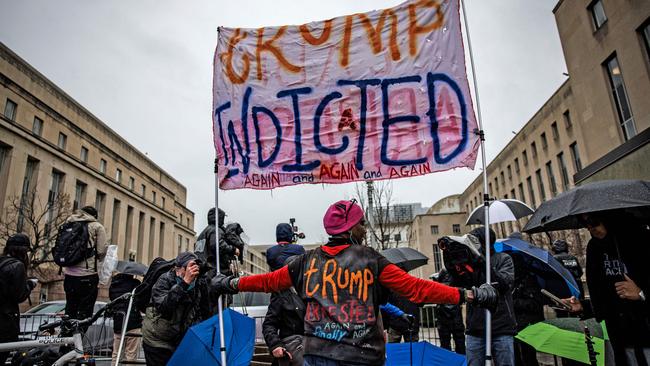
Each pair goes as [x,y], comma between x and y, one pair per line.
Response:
[145,68]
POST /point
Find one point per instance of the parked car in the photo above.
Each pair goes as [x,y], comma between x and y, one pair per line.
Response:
[98,338]
[254,305]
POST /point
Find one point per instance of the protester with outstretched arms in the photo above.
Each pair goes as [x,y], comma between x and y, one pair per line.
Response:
[342,285]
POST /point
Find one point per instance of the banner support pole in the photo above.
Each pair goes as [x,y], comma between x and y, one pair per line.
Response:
[486,196]
[222,341]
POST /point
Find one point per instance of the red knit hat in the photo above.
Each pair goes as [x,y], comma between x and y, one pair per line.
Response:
[342,216]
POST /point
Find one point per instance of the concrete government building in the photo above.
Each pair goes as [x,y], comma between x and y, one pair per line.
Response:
[50,144]
[594,127]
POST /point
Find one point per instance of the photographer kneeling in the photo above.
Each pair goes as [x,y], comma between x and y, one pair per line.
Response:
[178,301]
[464,260]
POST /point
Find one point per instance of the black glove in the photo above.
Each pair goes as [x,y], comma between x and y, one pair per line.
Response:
[223,284]
[408,318]
[486,296]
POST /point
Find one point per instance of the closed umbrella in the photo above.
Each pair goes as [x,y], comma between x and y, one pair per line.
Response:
[562,212]
[406,258]
[500,211]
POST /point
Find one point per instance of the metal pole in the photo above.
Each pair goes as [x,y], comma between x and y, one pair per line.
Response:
[222,341]
[486,197]
[371,214]
[124,324]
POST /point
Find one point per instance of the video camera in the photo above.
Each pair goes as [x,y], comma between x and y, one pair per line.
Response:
[296,234]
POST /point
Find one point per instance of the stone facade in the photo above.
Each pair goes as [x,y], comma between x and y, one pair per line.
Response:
[71,151]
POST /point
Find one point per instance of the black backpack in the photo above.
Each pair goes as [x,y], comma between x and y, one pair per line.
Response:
[142,296]
[71,245]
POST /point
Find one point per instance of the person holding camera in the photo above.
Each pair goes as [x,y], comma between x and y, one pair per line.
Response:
[464,259]
[342,284]
[15,287]
[178,301]
[277,255]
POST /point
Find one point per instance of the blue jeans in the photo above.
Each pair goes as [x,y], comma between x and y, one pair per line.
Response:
[503,351]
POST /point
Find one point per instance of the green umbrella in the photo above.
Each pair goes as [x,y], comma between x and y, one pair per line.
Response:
[565,337]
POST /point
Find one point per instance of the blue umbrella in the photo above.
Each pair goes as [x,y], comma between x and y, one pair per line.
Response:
[201,343]
[424,353]
[551,274]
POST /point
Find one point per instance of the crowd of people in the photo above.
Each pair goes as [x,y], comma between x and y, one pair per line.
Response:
[340,303]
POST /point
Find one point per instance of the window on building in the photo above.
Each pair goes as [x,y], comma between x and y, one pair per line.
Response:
[131,183]
[551,178]
[522,197]
[37,126]
[79,195]
[29,185]
[503,179]
[540,185]
[524,157]
[490,189]
[143,190]
[597,13]
[10,110]
[437,258]
[620,98]
[153,197]
[564,173]
[554,130]
[496,186]
[63,141]
[456,228]
[102,166]
[100,205]
[544,142]
[162,202]
[533,149]
[567,119]
[118,175]
[509,173]
[575,154]
[115,222]
[180,218]
[645,34]
[434,229]
[512,194]
[180,244]
[84,154]
[531,191]
[57,185]
[516,165]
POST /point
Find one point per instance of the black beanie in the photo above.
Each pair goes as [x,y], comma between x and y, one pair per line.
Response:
[18,240]
[184,258]
[90,210]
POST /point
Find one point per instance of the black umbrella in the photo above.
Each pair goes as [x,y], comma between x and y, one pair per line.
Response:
[561,212]
[407,258]
[132,268]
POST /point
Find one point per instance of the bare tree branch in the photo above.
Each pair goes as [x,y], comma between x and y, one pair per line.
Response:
[40,220]
[382,228]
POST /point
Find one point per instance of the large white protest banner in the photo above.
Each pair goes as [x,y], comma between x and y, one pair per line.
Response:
[377,95]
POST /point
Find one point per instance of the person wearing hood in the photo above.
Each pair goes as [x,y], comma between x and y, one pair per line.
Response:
[503,319]
[208,236]
[81,279]
[178,301]
[342,285]
[570,262]
[618,279]
[277,255]
[15,287]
